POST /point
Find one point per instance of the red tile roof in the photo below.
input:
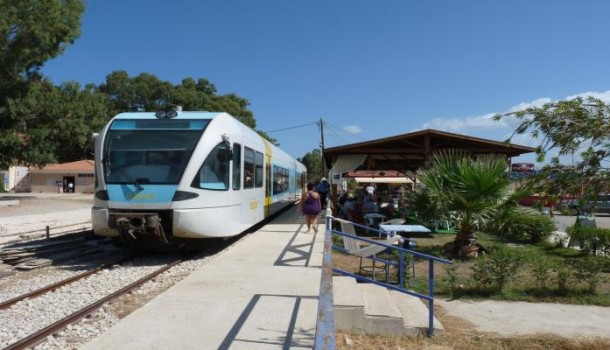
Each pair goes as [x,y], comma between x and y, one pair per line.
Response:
[81,166]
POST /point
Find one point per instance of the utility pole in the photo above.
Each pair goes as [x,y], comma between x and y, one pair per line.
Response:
[322,146]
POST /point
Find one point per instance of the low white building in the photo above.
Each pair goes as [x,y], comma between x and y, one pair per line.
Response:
[76,177]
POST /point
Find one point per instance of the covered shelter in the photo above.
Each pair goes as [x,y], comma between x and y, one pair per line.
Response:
[408,152]
[405,154]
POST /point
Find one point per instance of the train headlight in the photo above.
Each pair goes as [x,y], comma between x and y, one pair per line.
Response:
[183,195]
[103,195]
[166,114]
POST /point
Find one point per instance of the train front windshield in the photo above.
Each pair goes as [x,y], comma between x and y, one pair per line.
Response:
[146,151]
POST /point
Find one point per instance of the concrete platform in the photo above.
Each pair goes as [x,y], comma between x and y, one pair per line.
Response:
[261,293]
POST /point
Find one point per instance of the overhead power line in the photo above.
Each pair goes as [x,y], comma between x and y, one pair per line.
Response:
[292,127]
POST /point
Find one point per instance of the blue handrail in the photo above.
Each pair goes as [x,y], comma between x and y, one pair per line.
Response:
[326,288]
[325,326]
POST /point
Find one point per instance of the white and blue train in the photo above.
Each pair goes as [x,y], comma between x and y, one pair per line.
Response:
[175,177]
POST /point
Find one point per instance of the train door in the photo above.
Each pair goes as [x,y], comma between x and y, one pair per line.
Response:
[267,185]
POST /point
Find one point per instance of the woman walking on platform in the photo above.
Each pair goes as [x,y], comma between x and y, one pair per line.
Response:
[310,207]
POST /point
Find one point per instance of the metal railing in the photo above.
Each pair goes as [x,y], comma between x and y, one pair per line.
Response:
[325,331]
[325,326]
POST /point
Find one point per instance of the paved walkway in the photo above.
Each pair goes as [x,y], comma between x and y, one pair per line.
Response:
[261,293]
[519,318]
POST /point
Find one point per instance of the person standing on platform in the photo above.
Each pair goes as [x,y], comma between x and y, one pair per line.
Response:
[310,207]
[323,188]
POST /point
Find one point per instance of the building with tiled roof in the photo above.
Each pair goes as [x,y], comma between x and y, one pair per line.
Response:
[76,177]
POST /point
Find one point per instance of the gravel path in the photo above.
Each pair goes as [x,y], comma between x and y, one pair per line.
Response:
[35,212]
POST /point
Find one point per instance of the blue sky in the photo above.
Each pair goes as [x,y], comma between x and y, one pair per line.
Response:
[369,69]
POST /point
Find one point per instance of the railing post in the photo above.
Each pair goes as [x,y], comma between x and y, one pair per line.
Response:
[401,269]
[325,326]
[48,232]
[431,295]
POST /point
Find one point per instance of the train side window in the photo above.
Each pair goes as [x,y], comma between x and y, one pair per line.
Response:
[214,173]
[236,166]
[248,167]
[258,174]
[280,179]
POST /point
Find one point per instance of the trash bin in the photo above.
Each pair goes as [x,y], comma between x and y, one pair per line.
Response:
[585,221]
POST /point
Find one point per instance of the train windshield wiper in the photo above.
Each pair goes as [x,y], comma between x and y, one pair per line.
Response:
[135,182]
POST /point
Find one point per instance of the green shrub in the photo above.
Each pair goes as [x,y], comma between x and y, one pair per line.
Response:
[588,270]
[337,240]
[498,269]
[591,239]
[452,277]
[541,270]
[563,278]
[521,225]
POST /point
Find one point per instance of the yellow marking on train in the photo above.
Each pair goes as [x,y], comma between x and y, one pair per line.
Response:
[269,153]
[254,205]
[143,196]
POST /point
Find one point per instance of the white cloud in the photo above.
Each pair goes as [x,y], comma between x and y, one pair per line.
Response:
[535,103]
[604,96]
[457,124]
[484,126]
[485,123]
[352,129]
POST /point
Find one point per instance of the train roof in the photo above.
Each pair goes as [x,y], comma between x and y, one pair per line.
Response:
[180,115]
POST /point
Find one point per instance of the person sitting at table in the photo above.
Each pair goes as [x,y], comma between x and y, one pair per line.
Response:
[349,205]
[369,204]
[389,209]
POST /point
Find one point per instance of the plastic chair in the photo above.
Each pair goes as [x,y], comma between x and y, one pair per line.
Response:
[393,222]
[373,220]
[364,250]
[408,243]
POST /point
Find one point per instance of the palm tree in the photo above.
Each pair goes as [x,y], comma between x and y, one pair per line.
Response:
[471,189]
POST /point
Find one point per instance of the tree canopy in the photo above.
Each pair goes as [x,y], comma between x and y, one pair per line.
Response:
[578,127]
[31,32]
[313,162]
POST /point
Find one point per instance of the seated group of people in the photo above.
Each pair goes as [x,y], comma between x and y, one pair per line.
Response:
[353,210]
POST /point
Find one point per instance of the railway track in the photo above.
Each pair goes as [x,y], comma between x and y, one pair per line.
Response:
[8,303]
[28,256]
[40,335]
[56,306]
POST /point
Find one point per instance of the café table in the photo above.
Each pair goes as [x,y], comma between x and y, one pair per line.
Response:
[394,229]
[404,231]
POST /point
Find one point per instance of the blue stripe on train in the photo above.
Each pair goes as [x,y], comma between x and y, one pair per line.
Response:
[150,193]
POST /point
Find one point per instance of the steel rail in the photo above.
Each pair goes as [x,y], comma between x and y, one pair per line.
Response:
[8,303]
[40,335]
[43,230]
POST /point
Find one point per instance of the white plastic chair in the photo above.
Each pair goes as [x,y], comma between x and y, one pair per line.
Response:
[363,249]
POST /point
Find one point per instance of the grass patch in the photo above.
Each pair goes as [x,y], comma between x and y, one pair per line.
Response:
[542,274]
